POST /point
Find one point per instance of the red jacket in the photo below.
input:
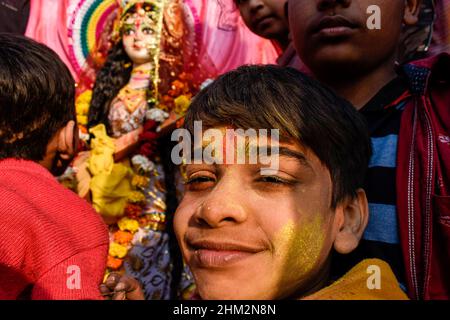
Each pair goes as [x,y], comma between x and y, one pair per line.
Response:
[423,179]
[53,245]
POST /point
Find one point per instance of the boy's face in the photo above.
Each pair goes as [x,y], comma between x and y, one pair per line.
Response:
[334,34]
[265,18]
[249,236]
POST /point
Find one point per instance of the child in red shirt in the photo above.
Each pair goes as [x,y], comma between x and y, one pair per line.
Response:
[53,244]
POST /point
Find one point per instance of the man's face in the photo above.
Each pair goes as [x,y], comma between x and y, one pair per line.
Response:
[265,18]
[250,236]
[331,34]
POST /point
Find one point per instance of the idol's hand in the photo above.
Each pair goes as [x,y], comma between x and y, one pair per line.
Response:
[121,287]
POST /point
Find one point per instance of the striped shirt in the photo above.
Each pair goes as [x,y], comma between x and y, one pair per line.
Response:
[381,237]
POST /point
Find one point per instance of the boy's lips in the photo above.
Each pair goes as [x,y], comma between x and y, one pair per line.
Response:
[210,254]
[334,26]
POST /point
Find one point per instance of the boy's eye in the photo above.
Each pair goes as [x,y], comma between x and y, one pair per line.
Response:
[273,179]
[199,183]
[275,182]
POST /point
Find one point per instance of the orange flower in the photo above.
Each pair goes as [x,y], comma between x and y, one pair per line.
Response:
[114,263]
[166,100]
[83,129]
[177,88]
[185,76]
[178,84]
[123,237]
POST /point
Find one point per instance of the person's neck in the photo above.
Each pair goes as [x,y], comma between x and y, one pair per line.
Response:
[282,42]
[48,161]
[359,90]
[320,281]
[140,76]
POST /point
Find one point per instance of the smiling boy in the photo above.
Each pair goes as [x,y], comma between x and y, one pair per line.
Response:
[246,235]
[406,107]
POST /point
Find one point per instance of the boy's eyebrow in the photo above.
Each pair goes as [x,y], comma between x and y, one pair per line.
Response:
[282,151]
[287,152]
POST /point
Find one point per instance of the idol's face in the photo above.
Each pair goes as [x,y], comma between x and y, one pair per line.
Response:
[139,37]
[246,235]
[265,18]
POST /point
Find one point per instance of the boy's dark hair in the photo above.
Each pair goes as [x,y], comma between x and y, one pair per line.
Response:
[304,111]
[37,95]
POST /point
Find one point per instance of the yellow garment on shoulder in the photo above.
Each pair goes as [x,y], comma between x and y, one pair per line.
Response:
[111,182]
[354,284]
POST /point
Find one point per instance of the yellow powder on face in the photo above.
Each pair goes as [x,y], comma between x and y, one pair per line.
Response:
[300,247]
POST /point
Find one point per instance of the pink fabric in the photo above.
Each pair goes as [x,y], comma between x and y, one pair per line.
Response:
[48,24]
[226,42]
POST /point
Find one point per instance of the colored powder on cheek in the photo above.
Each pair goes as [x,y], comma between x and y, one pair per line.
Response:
[300,248]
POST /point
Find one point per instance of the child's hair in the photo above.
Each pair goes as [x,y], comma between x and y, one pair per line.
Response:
[37,97]
[304,111]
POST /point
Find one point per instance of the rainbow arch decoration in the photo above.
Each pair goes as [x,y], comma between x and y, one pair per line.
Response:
[87,22]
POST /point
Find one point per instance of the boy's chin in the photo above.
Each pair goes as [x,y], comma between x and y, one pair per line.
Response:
[334,61]
[239,293]
[216,289]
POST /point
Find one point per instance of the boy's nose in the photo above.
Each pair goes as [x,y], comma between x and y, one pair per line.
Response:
[221,209]
[256,5]
[327,4]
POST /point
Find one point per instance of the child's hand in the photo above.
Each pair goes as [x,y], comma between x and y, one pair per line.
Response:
[121,287]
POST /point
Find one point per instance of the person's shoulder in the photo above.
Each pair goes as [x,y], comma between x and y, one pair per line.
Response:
[371,279]
[31,193]
[433,62]
[14,208]
[428,73]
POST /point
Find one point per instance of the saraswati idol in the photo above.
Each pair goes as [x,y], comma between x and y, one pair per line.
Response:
[140,94]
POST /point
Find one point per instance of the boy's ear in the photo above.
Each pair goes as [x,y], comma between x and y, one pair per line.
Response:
[412,11]
[352,216]
[67,141]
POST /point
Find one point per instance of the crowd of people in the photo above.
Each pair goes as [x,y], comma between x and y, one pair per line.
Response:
[93,205]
